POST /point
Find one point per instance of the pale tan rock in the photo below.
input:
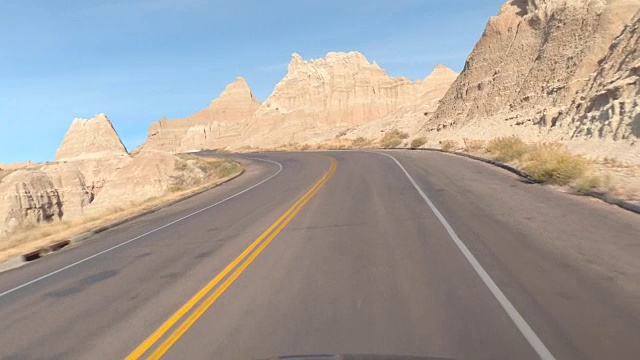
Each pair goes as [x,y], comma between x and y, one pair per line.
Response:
[533,55]
[146,175]
[27,198]
[17,166]
[609,106]
[70,184]
[409,118]
[319,96]
[226,117]
[91,138]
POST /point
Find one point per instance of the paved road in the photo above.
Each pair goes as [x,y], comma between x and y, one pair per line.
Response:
[483,266]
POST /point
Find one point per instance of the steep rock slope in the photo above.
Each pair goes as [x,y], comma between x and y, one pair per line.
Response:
[531,59]
[409,118]
[315,97]
[91,138]
[609,106]
[226,117]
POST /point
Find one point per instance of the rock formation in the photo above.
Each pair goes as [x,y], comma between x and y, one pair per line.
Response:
[609,106]
[28,197]
[91,138]
[409,118]
[226,117]
[316,97]
[93,175]
[531,59]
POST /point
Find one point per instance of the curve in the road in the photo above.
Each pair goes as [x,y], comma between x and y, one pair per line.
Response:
[248,255]
[515,316]
[7,292]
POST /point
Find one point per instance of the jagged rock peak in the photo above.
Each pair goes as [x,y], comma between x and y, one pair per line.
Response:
[237,91]
[332,58]
[91,138]
[440,71]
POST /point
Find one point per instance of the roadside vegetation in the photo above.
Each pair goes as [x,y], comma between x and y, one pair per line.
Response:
[393,138]
[448,145]
[547,163]
[418,142]
[361,142]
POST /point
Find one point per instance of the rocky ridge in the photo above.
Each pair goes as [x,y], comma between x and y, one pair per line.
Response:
[92,174]
[224,119]
[316,97]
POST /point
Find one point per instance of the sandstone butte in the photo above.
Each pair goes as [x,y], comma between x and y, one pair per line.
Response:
[541,70]
[93,174]
[89,139]
[225,118]
[318,97]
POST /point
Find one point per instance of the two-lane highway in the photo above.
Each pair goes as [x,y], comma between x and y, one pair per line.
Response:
[420,254]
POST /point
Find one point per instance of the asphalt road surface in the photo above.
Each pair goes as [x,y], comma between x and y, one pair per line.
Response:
[420,253]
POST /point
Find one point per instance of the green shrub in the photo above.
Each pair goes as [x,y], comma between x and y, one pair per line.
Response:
[418,142]
[507,148]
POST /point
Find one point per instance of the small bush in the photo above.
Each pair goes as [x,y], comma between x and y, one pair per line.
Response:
[507,148]
[223,151]
[473,145]
[554,164]
[448,145]
[587,184]
[418,142]
[361,142]
[341,134]
[393,138]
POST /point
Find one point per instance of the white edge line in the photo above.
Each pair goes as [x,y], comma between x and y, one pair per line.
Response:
[515,316]
[147,233]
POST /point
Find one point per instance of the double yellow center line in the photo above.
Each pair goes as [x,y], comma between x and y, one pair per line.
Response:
[244,259]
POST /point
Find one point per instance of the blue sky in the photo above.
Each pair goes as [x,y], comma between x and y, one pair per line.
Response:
[137,61]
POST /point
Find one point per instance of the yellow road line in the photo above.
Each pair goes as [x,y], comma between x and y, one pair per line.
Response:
[279,224]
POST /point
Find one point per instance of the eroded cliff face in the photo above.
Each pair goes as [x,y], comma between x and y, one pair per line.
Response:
[315,97]
[213,127]
[28,197]
[531,59]
[410,117]
[609,106]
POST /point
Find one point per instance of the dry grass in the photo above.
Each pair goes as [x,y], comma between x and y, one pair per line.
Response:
[393,138]
[32,237]
[418,142]
[554,164]
[361,142]
[448,145]
[473,146]
[507,149]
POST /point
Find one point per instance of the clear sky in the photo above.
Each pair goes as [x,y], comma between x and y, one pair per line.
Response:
[139,60]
